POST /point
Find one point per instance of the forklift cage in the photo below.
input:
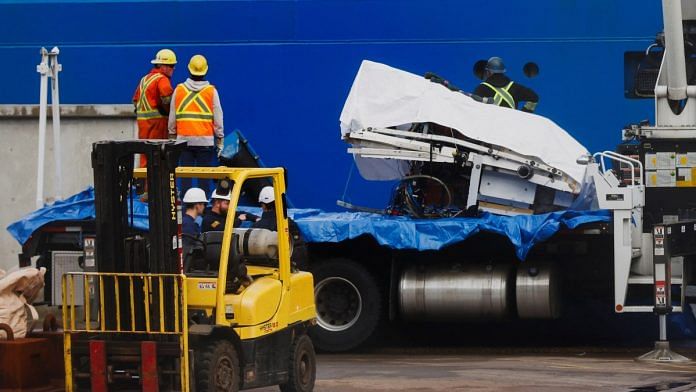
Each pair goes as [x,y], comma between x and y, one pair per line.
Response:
[142,312]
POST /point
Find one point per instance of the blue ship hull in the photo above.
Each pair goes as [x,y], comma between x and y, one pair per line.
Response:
[284,68]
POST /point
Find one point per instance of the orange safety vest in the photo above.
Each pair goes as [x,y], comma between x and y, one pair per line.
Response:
[146,105]
[194,111]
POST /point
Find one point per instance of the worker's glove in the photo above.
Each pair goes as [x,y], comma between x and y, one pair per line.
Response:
[479,99]
[529,107]
[219,146]
[437,79]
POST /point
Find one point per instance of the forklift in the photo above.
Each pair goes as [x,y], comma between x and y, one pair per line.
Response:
[229,312]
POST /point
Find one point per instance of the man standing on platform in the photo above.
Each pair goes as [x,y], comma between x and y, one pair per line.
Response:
[196,117]
[152,98]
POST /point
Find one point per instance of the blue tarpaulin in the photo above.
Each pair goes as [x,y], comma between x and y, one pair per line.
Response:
[398,232]
[75,208]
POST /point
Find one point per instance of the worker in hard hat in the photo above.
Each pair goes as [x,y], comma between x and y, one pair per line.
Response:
[196,117]
[503,90]
[194,205]
[268,212]
[152,98]
[268,221]
[214,217]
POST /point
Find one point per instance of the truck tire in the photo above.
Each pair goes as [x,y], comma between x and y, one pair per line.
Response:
[302,372]
[217,367]
[348,305]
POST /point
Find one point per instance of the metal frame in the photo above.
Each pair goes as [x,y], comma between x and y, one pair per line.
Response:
[49,67]
[383,143]
[626,204]
[670,240]
[94,284]
[239,176]
[407,145]
[475,180]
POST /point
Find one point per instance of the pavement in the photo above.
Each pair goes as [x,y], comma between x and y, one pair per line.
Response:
[566,370]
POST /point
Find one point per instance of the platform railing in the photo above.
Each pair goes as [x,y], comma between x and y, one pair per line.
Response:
[125,303]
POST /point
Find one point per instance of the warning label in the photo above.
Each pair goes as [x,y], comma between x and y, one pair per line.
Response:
[659,239]
[659,247]
[660,293]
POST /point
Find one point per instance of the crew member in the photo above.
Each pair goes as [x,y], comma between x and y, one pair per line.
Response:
[504,91]
[268,212]
[214,218]
[152,99]
[194,204]
[196,117]
[299,256]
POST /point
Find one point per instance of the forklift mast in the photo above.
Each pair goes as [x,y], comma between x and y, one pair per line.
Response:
[120,248]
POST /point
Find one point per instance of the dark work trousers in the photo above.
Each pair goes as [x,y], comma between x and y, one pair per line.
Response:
[197,156]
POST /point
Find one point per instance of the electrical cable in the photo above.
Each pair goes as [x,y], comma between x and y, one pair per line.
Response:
[439,181]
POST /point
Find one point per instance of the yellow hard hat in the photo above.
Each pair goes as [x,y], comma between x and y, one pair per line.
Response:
[165,56]
[198,66]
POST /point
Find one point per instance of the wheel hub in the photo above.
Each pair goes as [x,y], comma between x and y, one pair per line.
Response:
[304,369]
[224,374]
[338,303]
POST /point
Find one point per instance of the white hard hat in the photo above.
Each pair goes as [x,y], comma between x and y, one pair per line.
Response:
[267,195]
[223,197]
[195,195]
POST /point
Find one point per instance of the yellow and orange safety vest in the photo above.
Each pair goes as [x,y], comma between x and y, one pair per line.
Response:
[194,111]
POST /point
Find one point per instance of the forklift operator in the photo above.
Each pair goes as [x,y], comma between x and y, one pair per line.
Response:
[194,202]
[214,217]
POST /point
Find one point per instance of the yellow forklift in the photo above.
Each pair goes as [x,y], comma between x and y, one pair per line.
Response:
[228,312]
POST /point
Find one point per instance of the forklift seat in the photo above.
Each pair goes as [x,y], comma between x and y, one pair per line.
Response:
[204,252]
[204,259]
[212,241]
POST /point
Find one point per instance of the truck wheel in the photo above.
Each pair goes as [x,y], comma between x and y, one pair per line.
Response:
[303,367]
[348,305]
[217,367]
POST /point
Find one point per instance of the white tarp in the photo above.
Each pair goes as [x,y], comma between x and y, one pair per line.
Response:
[383,97]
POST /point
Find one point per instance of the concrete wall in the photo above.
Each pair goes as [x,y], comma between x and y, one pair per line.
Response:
[81,125]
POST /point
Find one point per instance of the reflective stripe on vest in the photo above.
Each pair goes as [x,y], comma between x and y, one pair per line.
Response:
[144,110]
[502,94]
[194,111]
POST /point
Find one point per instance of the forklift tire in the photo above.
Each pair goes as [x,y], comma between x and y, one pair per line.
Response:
[348,304]
[303,366]
[217,367]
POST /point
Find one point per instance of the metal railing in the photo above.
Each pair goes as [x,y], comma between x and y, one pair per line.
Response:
[622,159]
[126,303]
[141,295]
